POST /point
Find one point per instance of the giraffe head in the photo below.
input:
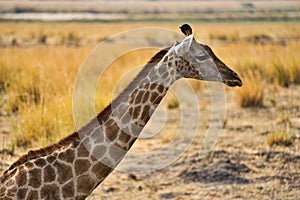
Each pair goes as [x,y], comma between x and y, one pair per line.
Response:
[198,61]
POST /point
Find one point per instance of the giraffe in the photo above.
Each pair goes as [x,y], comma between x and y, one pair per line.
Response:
[73,167]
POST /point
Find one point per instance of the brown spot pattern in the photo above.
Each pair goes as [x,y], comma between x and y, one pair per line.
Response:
[82,151]
[51,159]
[35,178]
[101,170]
[68,190]
[67,156]
[85,184]
[146,97]
[33,194]
[21,178]
[136,112]
[64,172]
[21,194]
[81,166]
[49,174]
[40,162]
[28,165]
[50,192]
[124,137]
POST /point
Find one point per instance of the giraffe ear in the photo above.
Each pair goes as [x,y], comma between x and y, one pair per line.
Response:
[184,46]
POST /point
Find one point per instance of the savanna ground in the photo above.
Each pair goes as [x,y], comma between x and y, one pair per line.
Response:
[256,156]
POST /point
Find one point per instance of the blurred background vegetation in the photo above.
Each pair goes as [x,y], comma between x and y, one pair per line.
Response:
[43,43]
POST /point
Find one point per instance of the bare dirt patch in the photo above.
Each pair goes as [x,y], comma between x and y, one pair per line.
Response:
[240,166]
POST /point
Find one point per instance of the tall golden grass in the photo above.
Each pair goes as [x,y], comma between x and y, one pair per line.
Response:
[39,63]
[37,83]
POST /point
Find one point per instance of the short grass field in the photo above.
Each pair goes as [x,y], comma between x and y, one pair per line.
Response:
[38,67]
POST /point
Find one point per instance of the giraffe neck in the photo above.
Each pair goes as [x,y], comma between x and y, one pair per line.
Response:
[132,109]
[118,126]
[76,165]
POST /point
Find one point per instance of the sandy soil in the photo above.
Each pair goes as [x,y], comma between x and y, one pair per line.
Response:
[240,166]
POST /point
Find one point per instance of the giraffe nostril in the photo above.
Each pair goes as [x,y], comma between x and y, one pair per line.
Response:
[235,75]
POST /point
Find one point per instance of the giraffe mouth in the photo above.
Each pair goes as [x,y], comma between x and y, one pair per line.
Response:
[232,79]
[233,83]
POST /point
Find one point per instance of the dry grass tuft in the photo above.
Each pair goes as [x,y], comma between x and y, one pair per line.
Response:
[44,123]
[281,138]
[282,75]
[37,84]
[252,92]
[172,103]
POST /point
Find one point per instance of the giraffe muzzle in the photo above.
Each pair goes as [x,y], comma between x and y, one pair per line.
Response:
[234,81]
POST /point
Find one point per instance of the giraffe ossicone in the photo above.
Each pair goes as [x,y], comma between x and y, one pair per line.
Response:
[184,46]
[77,164]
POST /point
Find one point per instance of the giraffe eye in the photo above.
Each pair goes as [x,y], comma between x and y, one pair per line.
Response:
[202,57]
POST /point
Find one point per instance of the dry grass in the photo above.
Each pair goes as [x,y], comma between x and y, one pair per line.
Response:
[38,69]
[37,84]
[252,93]
[281,138]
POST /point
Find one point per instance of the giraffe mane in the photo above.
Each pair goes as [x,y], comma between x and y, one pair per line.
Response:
[141,75]
[74,137]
